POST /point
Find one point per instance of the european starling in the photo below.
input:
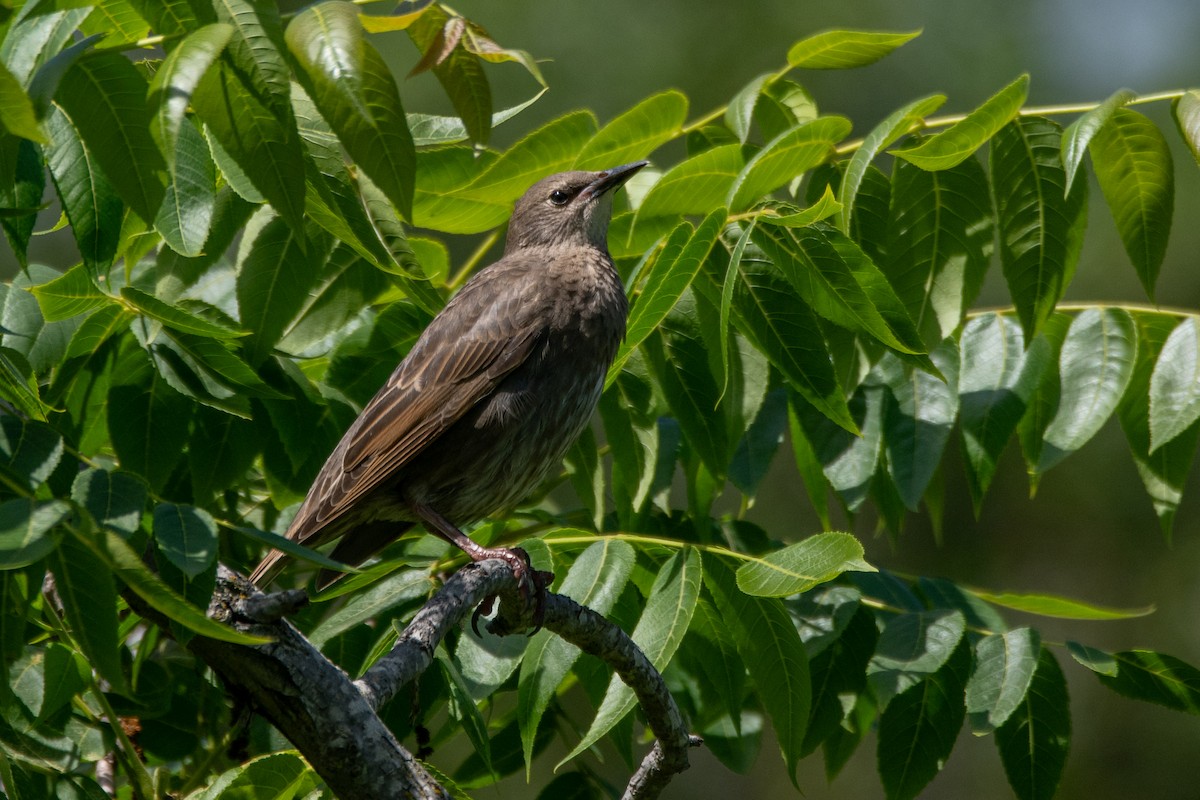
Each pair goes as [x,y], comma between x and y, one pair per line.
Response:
[491,396]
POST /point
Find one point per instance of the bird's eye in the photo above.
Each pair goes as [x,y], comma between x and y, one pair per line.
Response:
[559,198]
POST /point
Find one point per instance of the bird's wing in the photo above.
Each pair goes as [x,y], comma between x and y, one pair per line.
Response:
[480,337]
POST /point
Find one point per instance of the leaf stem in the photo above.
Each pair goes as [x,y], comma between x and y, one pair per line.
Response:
[469,265]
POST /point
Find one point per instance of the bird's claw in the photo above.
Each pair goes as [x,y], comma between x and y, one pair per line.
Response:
[531,587]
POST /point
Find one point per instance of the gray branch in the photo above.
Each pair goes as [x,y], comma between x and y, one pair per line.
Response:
[334,721]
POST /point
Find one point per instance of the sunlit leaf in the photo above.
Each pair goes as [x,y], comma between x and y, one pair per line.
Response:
[843,49]
[350,83]
[1095,365]
[1187,117]
[105,97]
[1003,672]
[25,530]
[1133,165]
[1033,742]
[595,580]
[911,648]
[1047,605]
[956,144]
[668,278]
[1078,135]
[1156,678]
[918,728]
[767,639]
[1041,227]
[803,565]
[659,630]
[786,156]
[635,133]
[899,122]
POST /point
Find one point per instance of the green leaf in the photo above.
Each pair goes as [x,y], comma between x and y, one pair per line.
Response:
[267,150]
[768,641]
[1175,384]
[16,109]
[658,633]
[1155,678]
[995,385]
[72,293]
[956,144]
[186,536]
[256,49]
[350,83]
[848,457]
[911,648]
[442,38]
[186,214]
[23,187]
[844,49]
[105,97]
[636,133]
[1048,605]
[96,329]
[25,530]
[788,155]
[1096,364]
[463,710]
[898,123]
[826,206]
[739,114]
[274,279]
[1096,660]
[149,435]
[431,129]
[1187,118]
[769,313]
[803,565]
[177,78]
[89,599]
[594,580]
[34,39]
[918,419]
[177,318]
[1041,227]
[1163,469]
[839,281]
[694,186]
[1004,669]
[679,360]
[65,672]
[667,280]
[918,729]
[1033,742]
[940,228]
[115,500]
[18,385]
[1078,135]
[275,776]
[88,198]
[29,451]
[470,200]
[1133,165]
[123,562]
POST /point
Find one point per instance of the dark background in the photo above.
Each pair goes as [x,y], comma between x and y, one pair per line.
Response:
[1090,532]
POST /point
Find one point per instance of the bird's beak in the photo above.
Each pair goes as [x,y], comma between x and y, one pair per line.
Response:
[610,179]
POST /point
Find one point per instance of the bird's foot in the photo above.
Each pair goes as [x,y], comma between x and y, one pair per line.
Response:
[531,584]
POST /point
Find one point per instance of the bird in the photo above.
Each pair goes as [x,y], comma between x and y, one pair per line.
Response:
[490,397]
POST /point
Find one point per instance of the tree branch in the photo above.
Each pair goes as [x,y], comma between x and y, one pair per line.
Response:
[334,721]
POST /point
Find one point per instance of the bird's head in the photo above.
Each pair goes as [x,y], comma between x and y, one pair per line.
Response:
[567,208]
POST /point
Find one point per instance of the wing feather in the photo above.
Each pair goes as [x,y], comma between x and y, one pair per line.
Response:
[482,335]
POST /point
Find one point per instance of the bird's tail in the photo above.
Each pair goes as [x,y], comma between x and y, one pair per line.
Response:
[268,569]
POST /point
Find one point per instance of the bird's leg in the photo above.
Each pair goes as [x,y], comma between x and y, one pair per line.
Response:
[531,583]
